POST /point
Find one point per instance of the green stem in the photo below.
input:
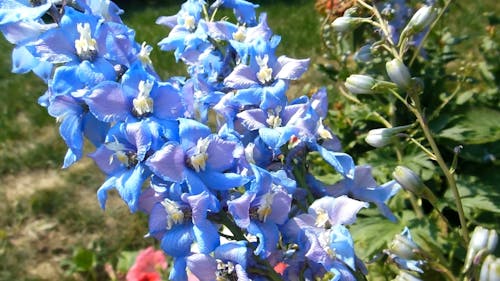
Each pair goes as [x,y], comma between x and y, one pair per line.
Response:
[444,167]
[420,45]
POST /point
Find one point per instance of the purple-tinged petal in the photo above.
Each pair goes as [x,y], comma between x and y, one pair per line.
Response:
[202,266]
[291,69]
[220,154]
[103,158]
[236,252]
[177,241]
[340,210]
[253,119]
[148,199]
[239,208]
[167,102]
[139,134]
[53,46]
[168,162]
[108,102]
[319,102]
[169,21]
[157,221]
[280,208]
[242,77]
[14,11]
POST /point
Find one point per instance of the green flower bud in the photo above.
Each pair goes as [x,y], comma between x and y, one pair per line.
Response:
[360,84]
[384,136]
[420,20]
[403,247]
[399,73]
[483,241]
[490,270]
[411,182]
[344,24]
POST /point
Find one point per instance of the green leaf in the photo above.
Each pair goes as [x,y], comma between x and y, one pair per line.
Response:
[84,260]
[478,126]
[126,260]
[479,195]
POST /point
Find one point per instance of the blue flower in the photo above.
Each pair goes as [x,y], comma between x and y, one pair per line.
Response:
[363,187]
[122,158]
[202,159]
[265,80]
[243,10]
[139,95]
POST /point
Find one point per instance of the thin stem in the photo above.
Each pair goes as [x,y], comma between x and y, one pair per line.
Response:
[443,269]
[449,176]
[421,44]
[446,101]
[427,151]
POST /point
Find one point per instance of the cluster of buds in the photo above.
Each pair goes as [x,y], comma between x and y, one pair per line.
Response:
[482,243]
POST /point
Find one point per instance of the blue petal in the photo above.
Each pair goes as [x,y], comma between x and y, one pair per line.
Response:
[207,236]
[168,162]
[341,162]
[222,181]
[178,271]
[268,235]
[178,240]
[129,186]
[190,131]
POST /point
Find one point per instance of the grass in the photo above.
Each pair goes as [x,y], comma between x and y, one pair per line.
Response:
[47,213]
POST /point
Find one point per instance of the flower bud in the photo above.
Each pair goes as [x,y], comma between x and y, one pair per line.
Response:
[384,136]
[420,20]
[412,183]
[403,245]
[364,54]
[483,241]
[490,270]
[360,84]
[399,73]
[344,24]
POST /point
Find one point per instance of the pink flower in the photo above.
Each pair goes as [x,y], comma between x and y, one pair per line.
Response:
[148,265]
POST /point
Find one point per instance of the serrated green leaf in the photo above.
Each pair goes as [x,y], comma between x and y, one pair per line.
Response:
[477,195]
[479,125]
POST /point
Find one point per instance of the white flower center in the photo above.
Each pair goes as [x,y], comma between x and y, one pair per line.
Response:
[199,158]
[240,34]
[265,204]
[174,213]
[86,46]
[273,119]
[323,132]
[189,21]
[143,104]
[265,73]
[144,54]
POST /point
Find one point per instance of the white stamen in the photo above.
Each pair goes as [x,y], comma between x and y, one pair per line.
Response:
[189,21]
[323,132]
[240,34]
[265,204]
[321,218]
[174,213]
[265,73]
[143,104]
[199,158]
[86,46]
[273,119]
[144,54]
